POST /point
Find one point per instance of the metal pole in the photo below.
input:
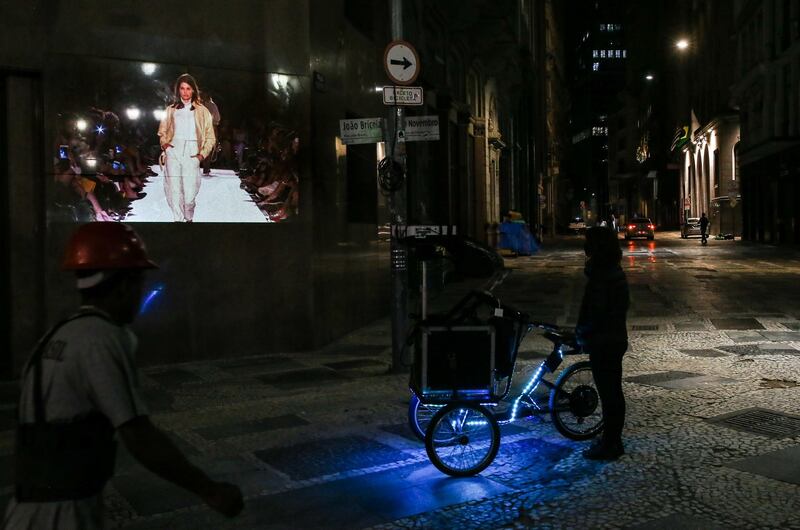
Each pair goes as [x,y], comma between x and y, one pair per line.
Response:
[397,209]
[424,290]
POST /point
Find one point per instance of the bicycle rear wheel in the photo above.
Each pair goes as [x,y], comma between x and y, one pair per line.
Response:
[575,405]
[462,439]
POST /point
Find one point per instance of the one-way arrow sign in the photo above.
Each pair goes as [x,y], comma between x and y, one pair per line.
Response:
[401,62]
[405,63]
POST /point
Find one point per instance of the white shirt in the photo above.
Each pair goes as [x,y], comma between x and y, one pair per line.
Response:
[184,123]
[88,365]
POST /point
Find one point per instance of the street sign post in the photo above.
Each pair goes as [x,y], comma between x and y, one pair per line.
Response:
[362,131]
[402,95]
[401,62]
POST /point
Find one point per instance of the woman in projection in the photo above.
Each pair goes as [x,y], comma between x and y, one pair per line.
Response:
[187,137]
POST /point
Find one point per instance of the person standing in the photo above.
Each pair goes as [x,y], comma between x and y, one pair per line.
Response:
[703,228]
[80,388]
[602,332]
[187,138]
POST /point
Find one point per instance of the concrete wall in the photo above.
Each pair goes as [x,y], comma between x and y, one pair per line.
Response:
[351,268]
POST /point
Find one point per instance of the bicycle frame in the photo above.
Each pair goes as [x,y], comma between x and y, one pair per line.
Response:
[549,364]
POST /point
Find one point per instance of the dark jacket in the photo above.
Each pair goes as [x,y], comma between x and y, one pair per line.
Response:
[601,321]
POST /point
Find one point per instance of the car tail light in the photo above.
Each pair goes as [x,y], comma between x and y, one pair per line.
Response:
[652,227]
[631,227]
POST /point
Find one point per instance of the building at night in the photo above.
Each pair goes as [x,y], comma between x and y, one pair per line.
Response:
[643,174]
[766,90]
[286,250]
[709,175]
[598,54]
[555,187]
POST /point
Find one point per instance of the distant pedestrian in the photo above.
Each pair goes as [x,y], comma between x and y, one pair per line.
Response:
[703,228]
[602,332]
[612,222]
[80,388]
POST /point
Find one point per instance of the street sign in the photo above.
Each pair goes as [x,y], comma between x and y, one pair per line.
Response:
[401,62]
[422,128]
[422,231]
[361,131]
[402,95]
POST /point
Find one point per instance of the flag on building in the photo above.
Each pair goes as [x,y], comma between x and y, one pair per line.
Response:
[680,138]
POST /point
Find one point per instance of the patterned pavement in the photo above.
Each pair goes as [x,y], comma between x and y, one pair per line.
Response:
[319,439]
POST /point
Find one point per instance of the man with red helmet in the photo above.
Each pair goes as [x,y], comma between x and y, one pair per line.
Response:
[80,387]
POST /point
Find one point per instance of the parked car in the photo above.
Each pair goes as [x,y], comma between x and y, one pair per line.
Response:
[577,225]
[691,227]
[640,227]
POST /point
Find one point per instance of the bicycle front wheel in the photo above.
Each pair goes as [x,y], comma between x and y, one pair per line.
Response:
[462,439]
[575,405]
[420,415]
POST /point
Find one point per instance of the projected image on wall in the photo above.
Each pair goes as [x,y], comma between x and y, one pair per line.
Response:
[145,142]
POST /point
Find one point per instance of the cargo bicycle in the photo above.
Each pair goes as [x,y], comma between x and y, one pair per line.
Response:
[462,377]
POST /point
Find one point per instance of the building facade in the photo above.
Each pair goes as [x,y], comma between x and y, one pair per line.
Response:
[598,57]
[285,252]
[643,177]
[766,91]
[710,179]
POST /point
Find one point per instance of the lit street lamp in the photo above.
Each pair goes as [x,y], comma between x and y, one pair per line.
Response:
[682,44]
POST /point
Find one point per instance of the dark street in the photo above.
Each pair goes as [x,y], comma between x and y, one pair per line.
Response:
[320,439]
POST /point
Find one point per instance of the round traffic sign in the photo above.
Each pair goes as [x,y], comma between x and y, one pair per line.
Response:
[401,62]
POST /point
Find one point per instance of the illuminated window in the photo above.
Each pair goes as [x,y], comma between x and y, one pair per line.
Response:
[602,54]
[595,67]
[618,53]
[594,54]
[602,27]
[624,53]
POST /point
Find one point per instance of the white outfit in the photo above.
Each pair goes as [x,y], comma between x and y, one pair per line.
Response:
[87,366]
[182,178]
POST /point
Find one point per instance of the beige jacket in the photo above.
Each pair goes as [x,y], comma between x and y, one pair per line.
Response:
[203,126]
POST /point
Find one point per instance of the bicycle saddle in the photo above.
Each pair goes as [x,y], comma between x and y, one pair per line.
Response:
[561,337]
[557,335]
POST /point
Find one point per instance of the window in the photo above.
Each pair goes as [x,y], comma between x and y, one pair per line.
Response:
[617,53]
[624,53]
[595,54]
[602,27]
[595,67]
[602,54]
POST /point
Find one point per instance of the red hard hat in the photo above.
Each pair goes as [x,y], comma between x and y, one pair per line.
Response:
[105,245]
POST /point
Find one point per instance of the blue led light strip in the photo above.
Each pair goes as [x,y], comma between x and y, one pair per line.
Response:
[530,387]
